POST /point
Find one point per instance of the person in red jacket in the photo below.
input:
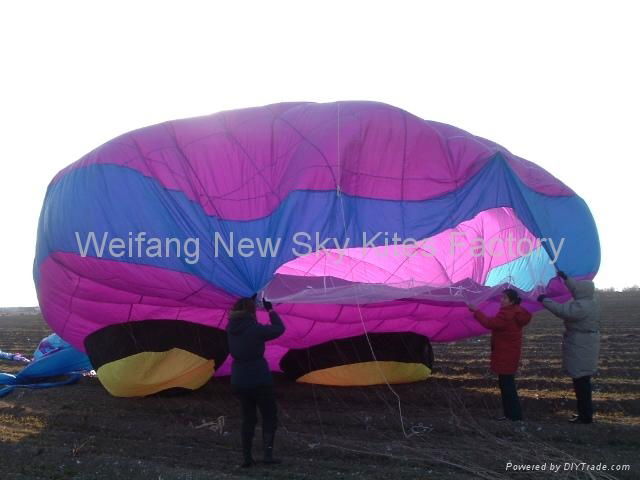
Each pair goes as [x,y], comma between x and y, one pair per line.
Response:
[506,346]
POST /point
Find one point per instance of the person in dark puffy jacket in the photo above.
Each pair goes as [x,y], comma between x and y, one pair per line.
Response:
[581,340]
[250,376]
[506,347]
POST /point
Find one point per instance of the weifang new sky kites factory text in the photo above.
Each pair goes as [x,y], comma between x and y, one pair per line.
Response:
[140,245]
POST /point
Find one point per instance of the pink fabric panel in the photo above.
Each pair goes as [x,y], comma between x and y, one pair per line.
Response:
[397,264]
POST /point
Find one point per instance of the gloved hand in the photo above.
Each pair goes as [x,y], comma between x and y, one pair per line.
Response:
[268,306]
[562,275]
[541,298]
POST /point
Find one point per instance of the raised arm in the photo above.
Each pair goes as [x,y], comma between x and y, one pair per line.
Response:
[571,310]
[270,332]
[492,323]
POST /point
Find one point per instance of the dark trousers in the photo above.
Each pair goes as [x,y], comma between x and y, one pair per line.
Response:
[252,399]
[582,387]
[510,400]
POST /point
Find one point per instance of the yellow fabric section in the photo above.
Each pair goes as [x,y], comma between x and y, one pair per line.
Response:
[150,372]
[368,373]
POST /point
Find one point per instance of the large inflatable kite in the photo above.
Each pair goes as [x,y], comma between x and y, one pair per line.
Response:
[368,225]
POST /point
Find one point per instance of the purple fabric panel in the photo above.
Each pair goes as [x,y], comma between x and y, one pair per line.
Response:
[81,295]
[241,164]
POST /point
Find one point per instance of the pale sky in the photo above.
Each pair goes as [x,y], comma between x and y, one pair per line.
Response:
[554,82]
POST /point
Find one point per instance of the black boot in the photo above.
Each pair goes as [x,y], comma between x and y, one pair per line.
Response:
[247,440]
[579,420]
[267,439]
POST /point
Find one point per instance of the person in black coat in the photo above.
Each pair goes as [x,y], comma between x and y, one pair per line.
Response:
[251,379]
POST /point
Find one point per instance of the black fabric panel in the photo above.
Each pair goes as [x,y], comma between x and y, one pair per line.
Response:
[398,347]
[119,341]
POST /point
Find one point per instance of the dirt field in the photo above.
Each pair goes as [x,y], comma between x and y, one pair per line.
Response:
[326,433]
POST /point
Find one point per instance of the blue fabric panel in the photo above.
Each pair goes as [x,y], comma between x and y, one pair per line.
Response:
[119,200]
